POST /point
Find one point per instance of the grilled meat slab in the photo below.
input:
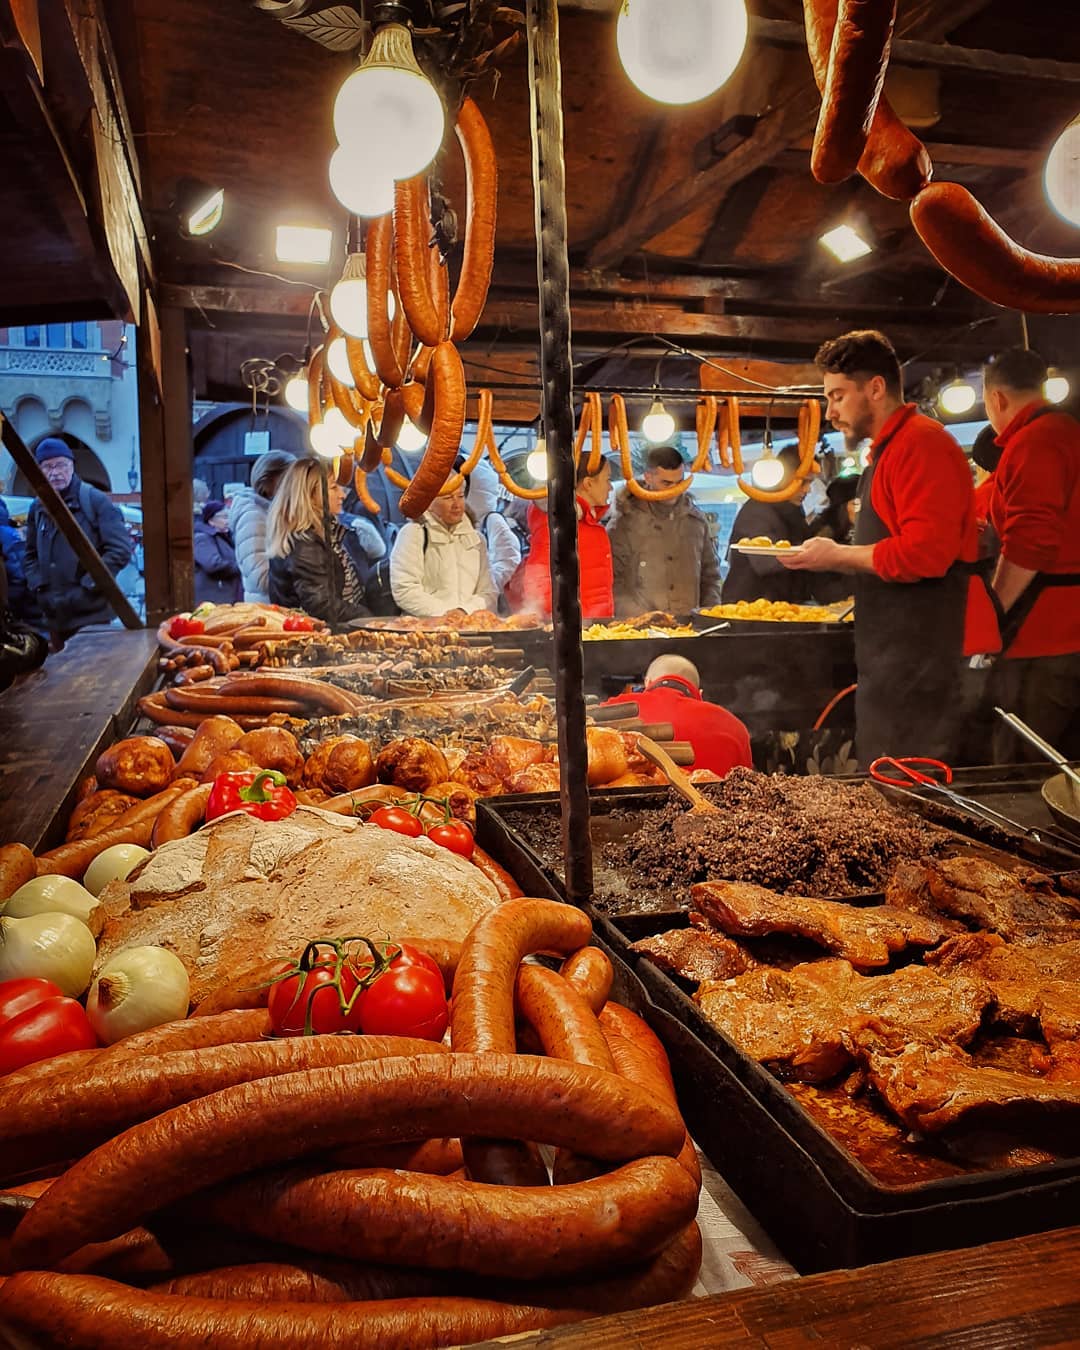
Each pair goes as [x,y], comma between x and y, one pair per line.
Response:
[796,1021]
[696,954]
[865,937]
[1020,906]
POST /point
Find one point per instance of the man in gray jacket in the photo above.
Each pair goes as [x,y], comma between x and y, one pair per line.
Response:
[663,552]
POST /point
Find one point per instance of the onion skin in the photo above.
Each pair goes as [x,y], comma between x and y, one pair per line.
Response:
[140,988]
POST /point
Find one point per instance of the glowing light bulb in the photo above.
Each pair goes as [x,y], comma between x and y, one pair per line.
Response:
[767,472]
[410,437]
[1062,177]
[337,358]
[657,424]
[348,299]
[323,442]
[1056,389]
[296,392]
[537,462]
[957,398]
[680,51]
[364,188]
[389,103]
[339,427]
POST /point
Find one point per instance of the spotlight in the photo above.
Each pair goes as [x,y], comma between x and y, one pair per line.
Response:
[657,424]
[303,244]
[957,398]
[845,243]
[199,207]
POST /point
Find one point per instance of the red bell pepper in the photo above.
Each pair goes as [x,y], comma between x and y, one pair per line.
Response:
[298,623]
[261,793]
[185,626]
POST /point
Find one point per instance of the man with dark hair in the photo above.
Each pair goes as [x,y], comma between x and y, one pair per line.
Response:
[913,560]
[751,577]
[663,552]
[1034,508]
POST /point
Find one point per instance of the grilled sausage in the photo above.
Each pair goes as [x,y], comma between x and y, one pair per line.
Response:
[591,973]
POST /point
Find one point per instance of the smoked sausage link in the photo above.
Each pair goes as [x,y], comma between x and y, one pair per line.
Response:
[567,1026]
[590,972]
[512,1232]
[385,1101]
[858,59]
[972,247]
[446,381]
[481,185]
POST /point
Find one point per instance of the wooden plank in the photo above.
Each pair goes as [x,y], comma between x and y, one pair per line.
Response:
[793,114]
[56,722]
[1025,1292]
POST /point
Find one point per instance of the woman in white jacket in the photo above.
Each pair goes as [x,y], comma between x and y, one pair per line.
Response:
[439,564]
[247,520]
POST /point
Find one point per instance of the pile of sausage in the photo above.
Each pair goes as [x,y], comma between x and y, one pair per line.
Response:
[418,372]
[251,697]
[230,636]
[849,43]
[403,1176]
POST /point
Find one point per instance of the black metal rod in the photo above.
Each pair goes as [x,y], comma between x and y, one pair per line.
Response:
[557,407]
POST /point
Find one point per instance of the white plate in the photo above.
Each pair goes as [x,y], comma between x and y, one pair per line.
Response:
[764,550]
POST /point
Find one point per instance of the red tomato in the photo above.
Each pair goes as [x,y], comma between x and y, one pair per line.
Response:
[18,995]
[185,626]
[290,1000]
[50,1027]
[454,835]
[298,623]
[406,1000]
[398,819]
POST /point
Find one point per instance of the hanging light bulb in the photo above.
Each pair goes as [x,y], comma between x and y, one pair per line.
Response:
[322,441]
[957,397]
[680,51]
[1056,388]
[348,299]
[657,424]
[537,462]
[767,472]
[359,186]
[338,426]
[337,358]
[410,438]
[296,391]
[392,106]
[1062,177]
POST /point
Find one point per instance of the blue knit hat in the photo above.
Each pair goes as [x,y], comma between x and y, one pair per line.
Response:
[52,447]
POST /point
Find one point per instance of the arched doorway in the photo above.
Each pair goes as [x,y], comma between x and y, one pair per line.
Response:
[87,465]
[219,443]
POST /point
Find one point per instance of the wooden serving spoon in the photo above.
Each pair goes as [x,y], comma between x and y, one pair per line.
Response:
[680,781]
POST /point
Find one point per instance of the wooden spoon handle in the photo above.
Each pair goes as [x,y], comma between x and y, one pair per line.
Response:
[675,776]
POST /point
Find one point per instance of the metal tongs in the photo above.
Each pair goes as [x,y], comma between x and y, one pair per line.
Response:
[912,774]
[1044,747]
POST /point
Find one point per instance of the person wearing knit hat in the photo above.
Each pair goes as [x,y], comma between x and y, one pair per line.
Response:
[67,595]
[248,511]
[217,576]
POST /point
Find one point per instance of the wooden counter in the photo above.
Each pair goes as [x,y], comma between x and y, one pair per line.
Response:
[57,721]
[1006,1296]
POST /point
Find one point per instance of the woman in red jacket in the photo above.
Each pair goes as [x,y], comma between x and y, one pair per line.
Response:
[533,593]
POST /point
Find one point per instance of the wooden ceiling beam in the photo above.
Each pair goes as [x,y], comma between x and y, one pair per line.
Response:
[793,115]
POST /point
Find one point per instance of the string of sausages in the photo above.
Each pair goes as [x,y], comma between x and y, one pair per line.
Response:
[849,42]
[177,1155]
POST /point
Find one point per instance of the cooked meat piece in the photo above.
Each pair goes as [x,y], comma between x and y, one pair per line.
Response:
[990,897]
[909,888]
[510,754]
[411,763]
[275,748]
[97,811]
[340,764]
[865,937]
[536,778]
[696,954]
[796,1021]
[462,799]
[933,1087]
[607,755]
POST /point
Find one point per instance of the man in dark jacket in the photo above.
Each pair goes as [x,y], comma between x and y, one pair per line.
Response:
[13,554]
[67,594]
[751,577]
[662,552]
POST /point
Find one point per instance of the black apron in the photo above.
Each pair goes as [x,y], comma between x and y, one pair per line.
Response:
[909,642]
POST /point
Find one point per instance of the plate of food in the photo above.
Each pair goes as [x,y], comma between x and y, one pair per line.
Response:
[763,547]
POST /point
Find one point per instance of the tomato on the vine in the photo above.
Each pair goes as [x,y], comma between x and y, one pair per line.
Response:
[41,1027]
[407,999]
[399,820]
[454,835]
[308,1002]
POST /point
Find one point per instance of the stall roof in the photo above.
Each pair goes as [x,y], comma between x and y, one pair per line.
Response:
[699,225]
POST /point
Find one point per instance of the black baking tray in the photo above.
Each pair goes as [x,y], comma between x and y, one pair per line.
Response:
[821,1207]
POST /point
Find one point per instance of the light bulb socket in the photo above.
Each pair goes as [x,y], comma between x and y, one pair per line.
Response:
[390,11]
[393,47]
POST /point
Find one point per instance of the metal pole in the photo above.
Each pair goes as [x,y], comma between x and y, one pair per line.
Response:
[556,375]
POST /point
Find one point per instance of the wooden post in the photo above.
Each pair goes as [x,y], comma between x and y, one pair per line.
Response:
[556,374]
[68,526]
[160,601]
[179,457]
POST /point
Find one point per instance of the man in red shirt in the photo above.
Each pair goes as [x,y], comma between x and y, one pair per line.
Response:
[1035,510]
[672,694]
[913,559]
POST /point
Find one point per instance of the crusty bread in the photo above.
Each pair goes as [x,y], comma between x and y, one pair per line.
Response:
[241,891]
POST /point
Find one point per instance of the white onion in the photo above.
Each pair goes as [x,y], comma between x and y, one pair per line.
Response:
[140,988]
[53,947]
[113,864]
[56,895]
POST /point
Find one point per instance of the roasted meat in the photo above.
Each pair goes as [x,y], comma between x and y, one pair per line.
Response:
[696,954]
[867,937]
[339,764]
[508,755]
[1020,906]
[796,1021]
[411,763]
[536,778]
[934,1087]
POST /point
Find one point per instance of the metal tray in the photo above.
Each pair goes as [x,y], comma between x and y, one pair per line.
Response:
[820,1205]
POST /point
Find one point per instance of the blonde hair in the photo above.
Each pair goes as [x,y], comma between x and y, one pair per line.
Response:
[297,505]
